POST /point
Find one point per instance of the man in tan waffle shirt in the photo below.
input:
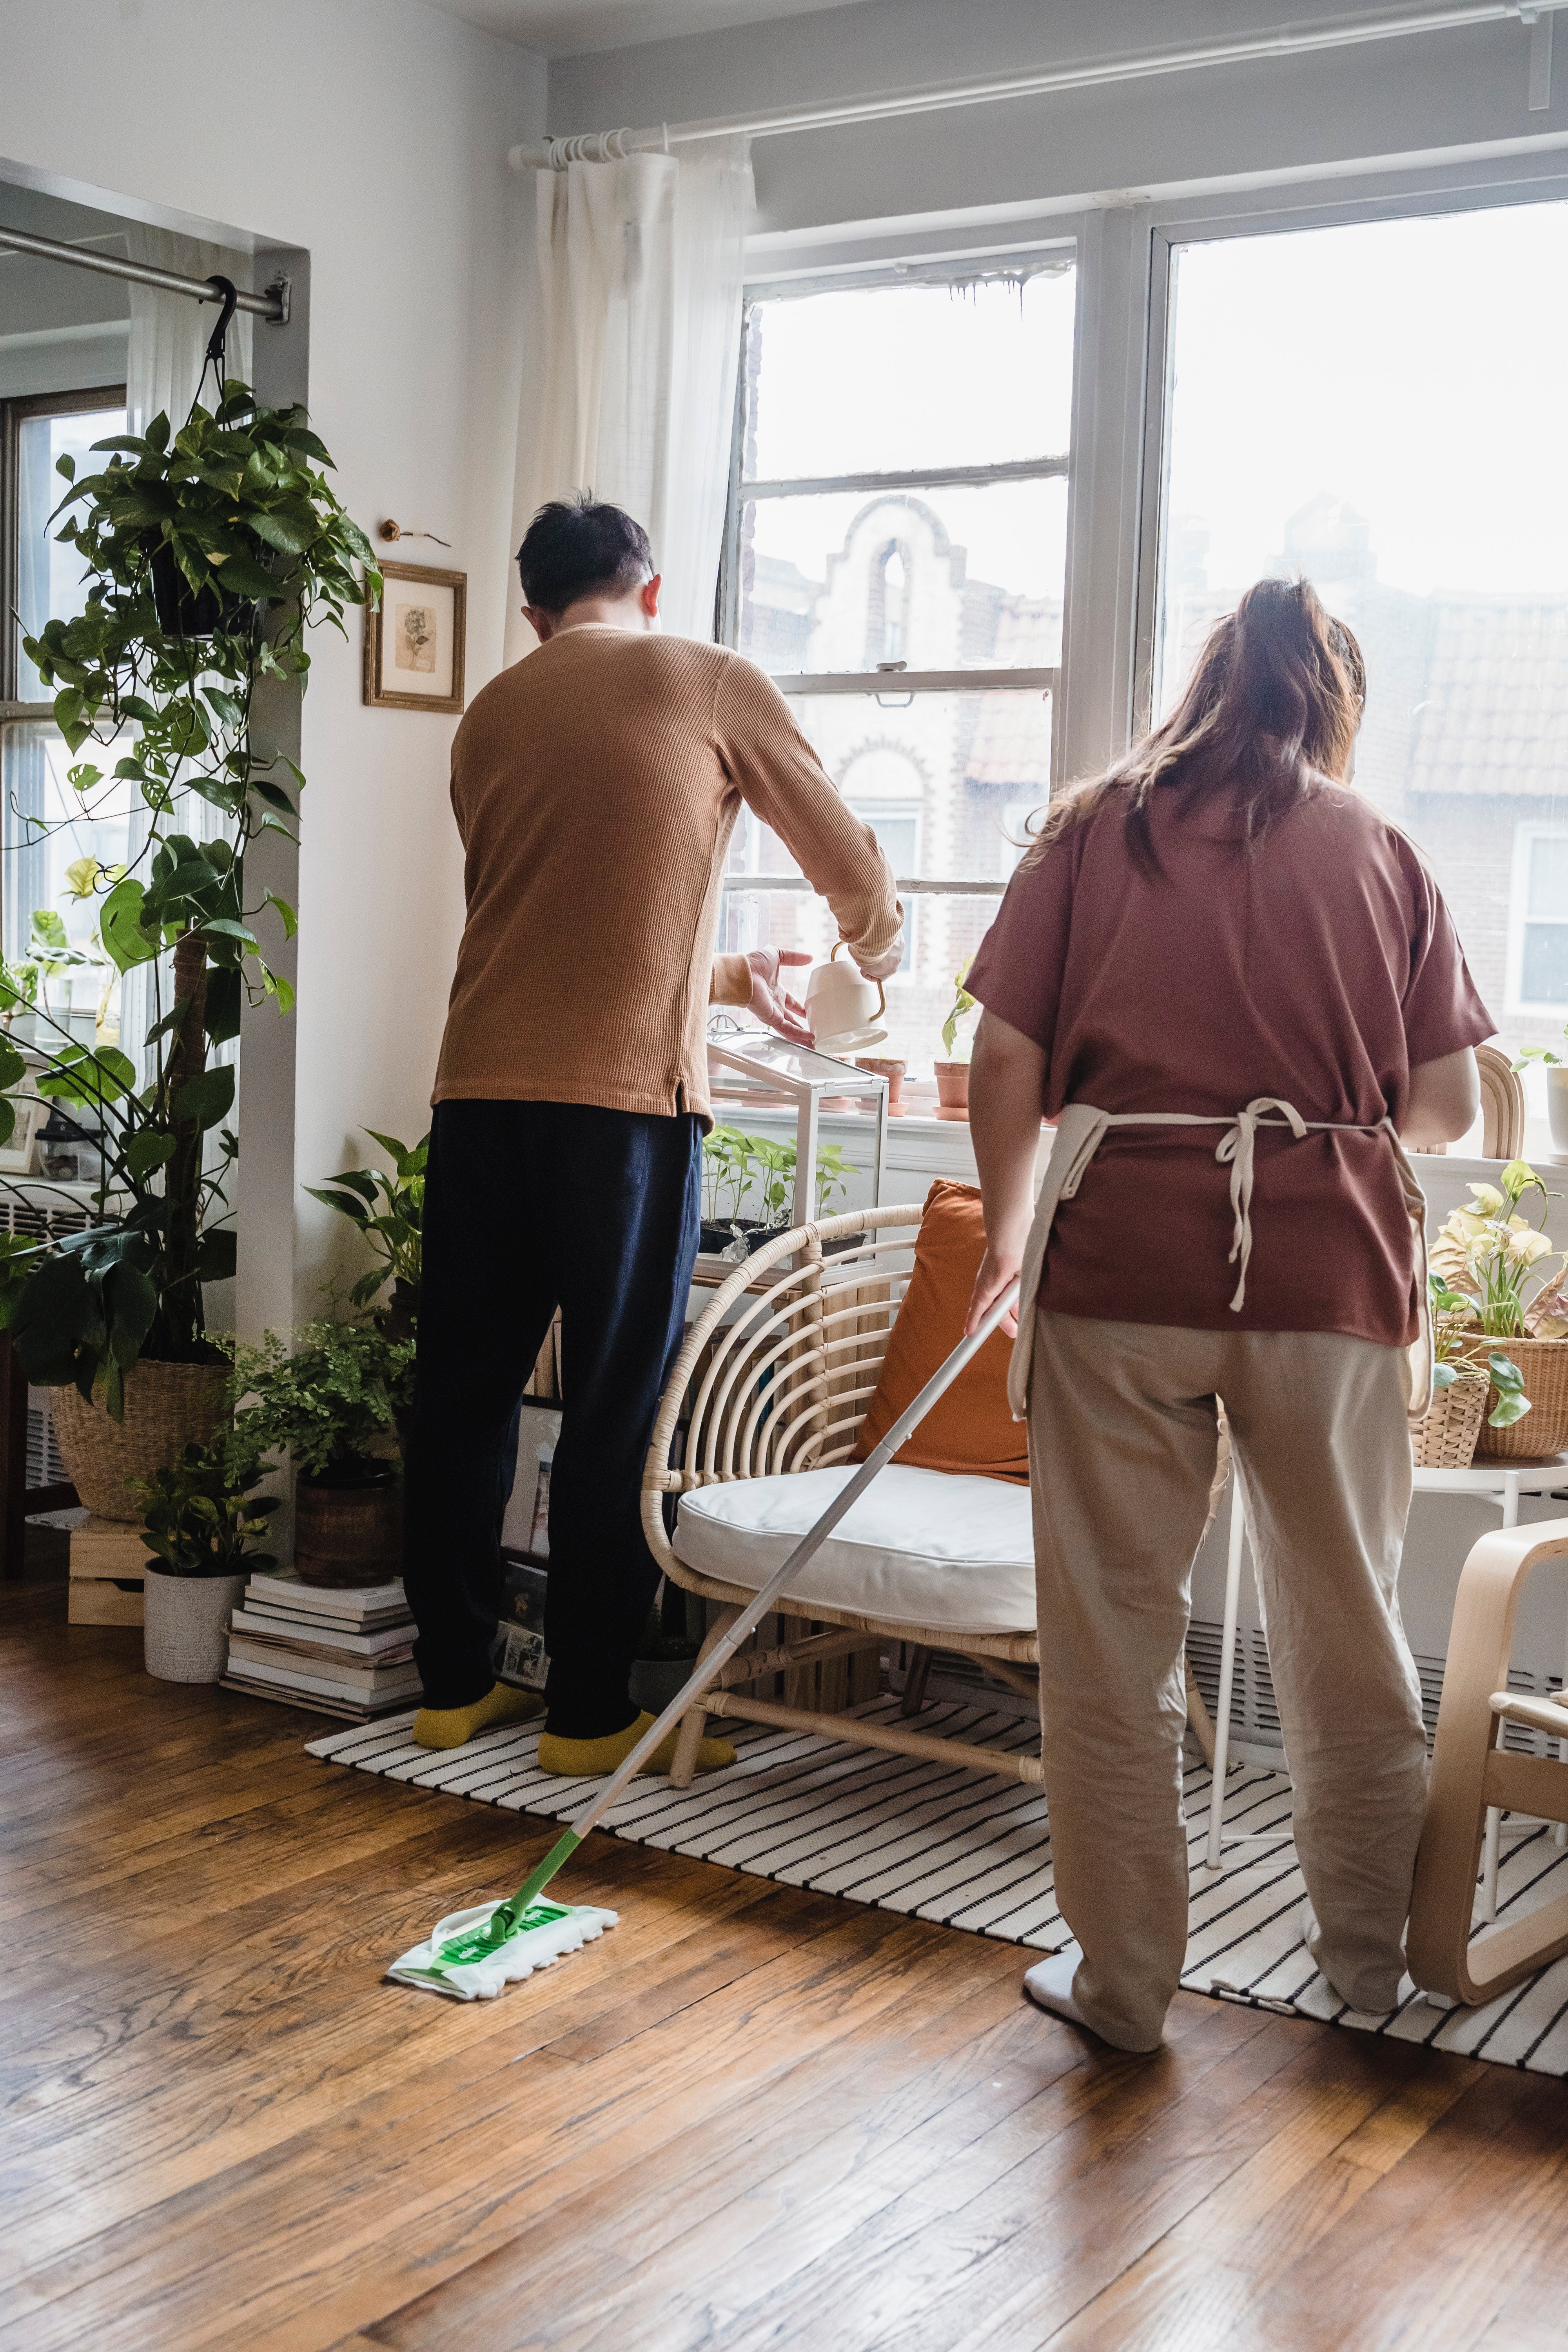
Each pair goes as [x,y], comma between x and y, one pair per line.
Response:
[596,784]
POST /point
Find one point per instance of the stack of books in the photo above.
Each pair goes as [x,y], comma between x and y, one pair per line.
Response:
[334,1651]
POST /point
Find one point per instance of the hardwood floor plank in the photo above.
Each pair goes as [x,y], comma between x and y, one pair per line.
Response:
[750,2116]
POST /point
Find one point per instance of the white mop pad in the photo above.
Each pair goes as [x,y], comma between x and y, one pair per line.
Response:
[481,1980]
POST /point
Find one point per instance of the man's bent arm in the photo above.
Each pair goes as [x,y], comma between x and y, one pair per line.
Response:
[780,777]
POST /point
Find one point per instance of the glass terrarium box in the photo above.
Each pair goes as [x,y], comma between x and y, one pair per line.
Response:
[766,1166]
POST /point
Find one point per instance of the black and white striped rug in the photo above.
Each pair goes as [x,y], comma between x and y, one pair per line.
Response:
[946,1845]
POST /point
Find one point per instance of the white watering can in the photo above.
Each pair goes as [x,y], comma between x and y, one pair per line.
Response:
[843,1008]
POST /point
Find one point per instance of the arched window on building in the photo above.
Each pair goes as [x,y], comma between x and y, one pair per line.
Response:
[886,629]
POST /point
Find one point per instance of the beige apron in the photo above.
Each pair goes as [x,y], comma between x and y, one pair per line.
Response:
[1081,1129]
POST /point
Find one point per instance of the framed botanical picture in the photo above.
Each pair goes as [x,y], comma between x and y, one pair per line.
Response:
[413,640]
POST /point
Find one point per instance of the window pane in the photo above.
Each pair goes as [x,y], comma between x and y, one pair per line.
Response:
[1544,977]
[1367,405]
[49,576]
[947,579]
[881,378]
[34,762]
[1548,890]
[947,783]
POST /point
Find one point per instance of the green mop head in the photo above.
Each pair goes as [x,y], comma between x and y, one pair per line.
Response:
[473,1955]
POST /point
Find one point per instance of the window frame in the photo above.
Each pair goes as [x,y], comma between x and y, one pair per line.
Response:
[14,412]
[1053,258]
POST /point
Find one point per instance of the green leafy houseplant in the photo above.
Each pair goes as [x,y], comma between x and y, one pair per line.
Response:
[327,1400]
[1494,1260]
[388,1211]
[962,1002]
[201,1516]
[749,1181]
[1459,1355]
[209,552]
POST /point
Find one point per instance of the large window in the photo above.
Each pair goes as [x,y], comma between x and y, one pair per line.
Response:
[1378,407]
[897,560]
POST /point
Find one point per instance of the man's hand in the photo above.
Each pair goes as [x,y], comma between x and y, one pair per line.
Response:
[770,1002]
[883,967]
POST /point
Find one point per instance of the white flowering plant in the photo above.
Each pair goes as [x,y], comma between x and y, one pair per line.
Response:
[1500,1268]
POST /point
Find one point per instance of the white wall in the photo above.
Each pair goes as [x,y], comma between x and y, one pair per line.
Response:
[374,134]
[1440,92]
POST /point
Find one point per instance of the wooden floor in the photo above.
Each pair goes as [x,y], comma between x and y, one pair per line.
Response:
[748,2117]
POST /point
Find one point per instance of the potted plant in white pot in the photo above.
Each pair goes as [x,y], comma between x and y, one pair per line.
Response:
[201,1519]
[330,1401]
[952,1076]
[1512,1283]
[162,670]
[1557,1069]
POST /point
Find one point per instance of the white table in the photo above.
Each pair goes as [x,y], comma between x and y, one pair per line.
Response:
[1500,1483]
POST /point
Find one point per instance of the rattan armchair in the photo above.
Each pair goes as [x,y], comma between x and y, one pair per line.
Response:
[781,1368]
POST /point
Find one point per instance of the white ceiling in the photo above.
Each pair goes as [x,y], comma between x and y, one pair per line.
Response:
[563,28]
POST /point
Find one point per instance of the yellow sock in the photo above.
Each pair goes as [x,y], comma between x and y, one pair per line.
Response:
[586,1760]
[448,1726]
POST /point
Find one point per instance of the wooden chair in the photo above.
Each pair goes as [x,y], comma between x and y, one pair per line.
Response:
[781,1370]
[1471,1772]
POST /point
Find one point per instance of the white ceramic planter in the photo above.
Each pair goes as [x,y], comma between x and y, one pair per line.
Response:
[1557,1107]
[185,1636]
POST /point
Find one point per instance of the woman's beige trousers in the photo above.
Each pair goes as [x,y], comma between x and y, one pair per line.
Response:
[1122,1440]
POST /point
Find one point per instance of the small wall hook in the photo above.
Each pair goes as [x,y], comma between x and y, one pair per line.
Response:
[390,531]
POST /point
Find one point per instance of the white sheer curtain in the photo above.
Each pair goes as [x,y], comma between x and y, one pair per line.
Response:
[629,371]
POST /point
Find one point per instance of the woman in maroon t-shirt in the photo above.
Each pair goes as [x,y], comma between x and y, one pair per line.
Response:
[1221,944]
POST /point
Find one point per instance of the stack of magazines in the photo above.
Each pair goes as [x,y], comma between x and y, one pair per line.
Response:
[334,1651]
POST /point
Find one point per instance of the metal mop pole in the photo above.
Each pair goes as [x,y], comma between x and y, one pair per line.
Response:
[752,1616]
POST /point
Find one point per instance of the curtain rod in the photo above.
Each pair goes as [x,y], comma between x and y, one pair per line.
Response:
[611,146]
[273,304]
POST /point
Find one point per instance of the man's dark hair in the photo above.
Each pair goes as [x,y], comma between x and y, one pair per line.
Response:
[579,547]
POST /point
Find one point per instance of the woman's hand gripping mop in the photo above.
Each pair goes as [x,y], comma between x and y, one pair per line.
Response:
[475,1954]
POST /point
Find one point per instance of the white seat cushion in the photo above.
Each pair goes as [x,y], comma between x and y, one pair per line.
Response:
[921,1547]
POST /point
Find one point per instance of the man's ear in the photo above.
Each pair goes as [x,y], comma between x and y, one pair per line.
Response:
[648,595]
[542,623]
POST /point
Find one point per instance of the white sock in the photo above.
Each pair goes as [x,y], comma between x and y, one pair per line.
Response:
[1050,1985]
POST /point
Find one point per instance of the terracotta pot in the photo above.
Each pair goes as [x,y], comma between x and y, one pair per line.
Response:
[348,1534]
[892,1071]
[953,1086]
[167,1407]
[185,1636]
[1544,1429]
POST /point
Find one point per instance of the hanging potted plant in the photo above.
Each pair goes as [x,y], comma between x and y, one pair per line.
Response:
[112,1318]
[201,1520]
[1502,1270]
[952,1077]
[330,1401]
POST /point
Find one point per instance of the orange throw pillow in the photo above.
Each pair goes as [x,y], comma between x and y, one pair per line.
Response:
[971,1427]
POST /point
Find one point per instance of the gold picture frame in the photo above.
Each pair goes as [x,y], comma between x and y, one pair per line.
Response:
[411,638]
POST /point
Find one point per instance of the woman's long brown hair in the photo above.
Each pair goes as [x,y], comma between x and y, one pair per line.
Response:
[1269,714]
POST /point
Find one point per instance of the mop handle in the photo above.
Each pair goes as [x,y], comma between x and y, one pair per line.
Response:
[751,1617]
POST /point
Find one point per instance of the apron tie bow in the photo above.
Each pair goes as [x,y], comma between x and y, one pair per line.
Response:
[1237,1150]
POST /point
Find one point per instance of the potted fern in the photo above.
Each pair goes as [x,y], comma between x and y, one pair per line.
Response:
[328,1396]
[208,552]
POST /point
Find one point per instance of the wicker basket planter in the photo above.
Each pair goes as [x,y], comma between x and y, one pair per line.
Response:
[185,1636]
[167,1406]
[1544,1429]
[349,1534]
[1446,1438]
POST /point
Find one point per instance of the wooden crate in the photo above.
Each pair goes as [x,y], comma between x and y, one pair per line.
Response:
[108,1560]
